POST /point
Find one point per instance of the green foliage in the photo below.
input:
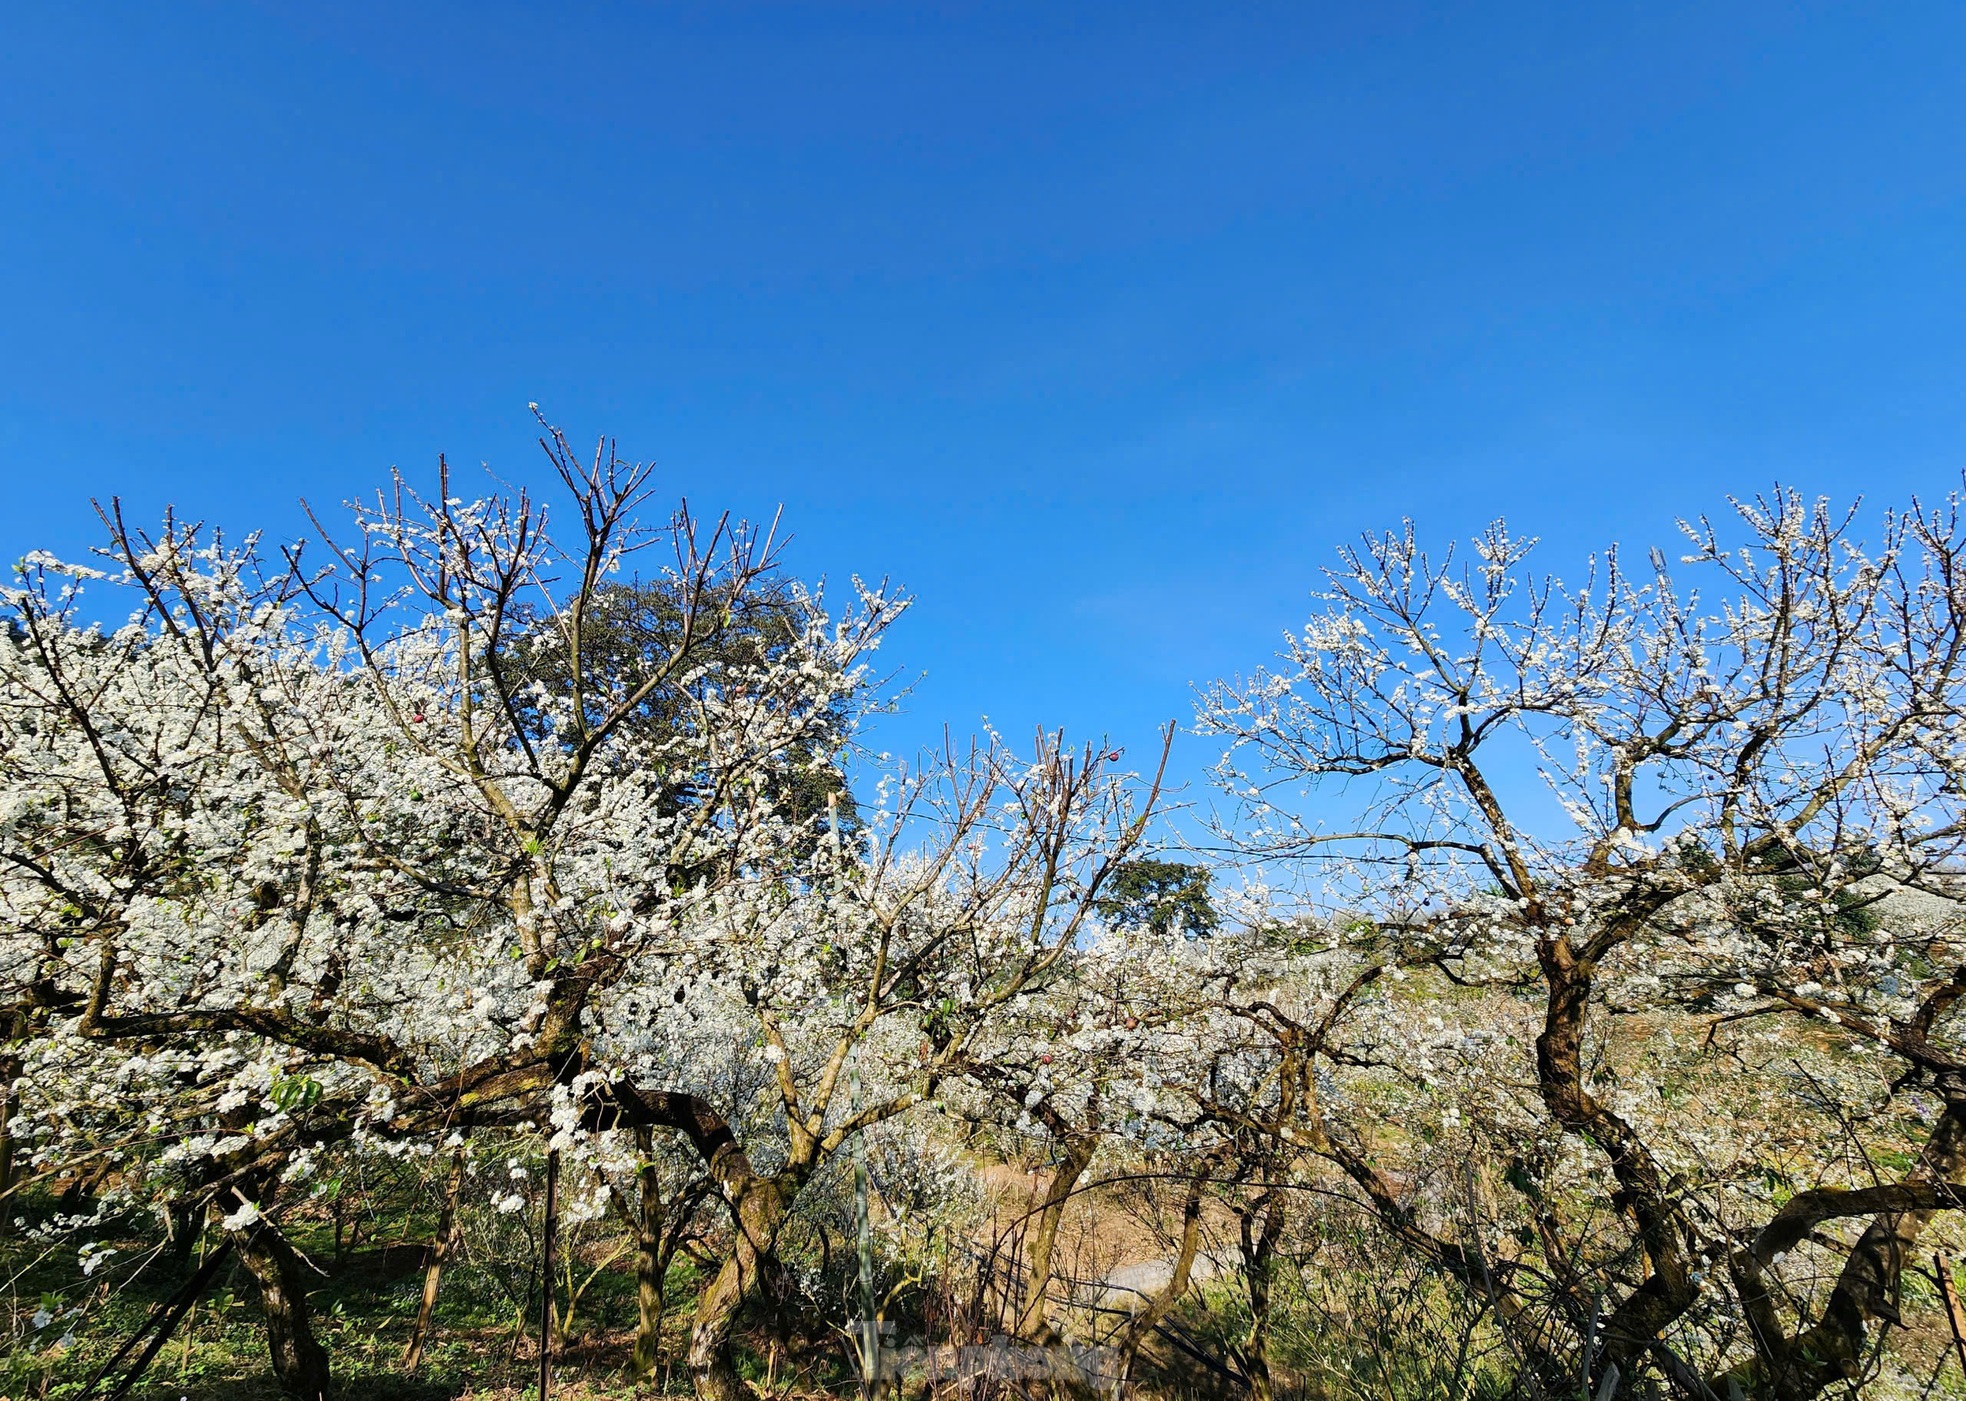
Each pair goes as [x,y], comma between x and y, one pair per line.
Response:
[628,634]
[1159,895]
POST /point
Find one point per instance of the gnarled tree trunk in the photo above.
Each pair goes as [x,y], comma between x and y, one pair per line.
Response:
[298,1360]
[1865,1296]
[758,1213]
[1669,1290]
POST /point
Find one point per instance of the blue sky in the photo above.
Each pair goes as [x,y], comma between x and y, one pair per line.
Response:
[1097,327]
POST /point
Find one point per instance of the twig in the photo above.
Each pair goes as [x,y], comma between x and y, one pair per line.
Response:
[164,1319]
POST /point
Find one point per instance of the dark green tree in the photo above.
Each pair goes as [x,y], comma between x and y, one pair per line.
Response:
[1158,894]
[628,629]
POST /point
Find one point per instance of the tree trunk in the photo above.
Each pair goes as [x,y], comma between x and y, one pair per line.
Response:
[9,1072]
[758,1213]
[1865,1295]
[1631,1329]
[185,1217]
[1259,1251]
[651,1262]
[19,1024]
[651,1303]
[1157,1308]
[298,1360]
[1034,1322]
[433,1272]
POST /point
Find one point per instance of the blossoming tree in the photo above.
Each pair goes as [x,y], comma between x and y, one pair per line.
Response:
[1668,860]
[380,840]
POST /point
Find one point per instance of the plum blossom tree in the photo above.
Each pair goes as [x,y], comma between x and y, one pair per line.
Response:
[975,881]
[1061,1078]
[376,841]
[1596,850]
[296,857]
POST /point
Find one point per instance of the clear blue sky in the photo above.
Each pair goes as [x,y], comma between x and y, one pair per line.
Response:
[1095,326]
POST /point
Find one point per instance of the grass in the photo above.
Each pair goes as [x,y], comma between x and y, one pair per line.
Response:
[480,1346]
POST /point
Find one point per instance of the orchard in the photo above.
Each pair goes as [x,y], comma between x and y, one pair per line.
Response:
[471,951]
